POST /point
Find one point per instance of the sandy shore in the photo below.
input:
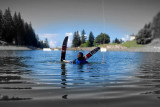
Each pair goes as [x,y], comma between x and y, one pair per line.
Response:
[146,48]
[15,48]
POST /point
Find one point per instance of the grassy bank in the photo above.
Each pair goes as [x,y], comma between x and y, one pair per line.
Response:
[128,44]
[131,44]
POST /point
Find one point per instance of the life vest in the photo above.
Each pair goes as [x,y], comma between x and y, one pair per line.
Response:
[80,61]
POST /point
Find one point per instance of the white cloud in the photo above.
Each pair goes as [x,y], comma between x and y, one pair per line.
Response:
[126,38]
[70,36]
[47,35]
[54,39]
[53,43]
[123,39]
[51,38]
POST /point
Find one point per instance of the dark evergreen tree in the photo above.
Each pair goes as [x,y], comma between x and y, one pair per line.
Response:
[14,30]
[91,39]
[83,38]
[156,26]
[1,17]
[102,38]
[144,35]
[41,44]
[79,39]
[46,44]
[116,41]
[21,30]
[149,31]
[8,26]
[76,40]
[15,23]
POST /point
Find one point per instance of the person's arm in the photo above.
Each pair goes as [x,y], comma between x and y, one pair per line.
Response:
[74,61]
[66,61]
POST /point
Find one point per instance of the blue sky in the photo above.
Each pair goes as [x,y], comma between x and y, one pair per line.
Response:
[56,32]
[54,19]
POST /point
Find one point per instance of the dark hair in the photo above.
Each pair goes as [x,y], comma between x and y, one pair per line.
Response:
[80,56]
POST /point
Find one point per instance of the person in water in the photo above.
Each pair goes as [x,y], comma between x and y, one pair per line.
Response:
[79,60]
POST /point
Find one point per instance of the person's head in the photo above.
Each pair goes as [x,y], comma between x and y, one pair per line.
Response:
[80,56]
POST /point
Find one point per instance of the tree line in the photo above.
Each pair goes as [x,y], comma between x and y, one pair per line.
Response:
[150,31]
[15,31]
[80,39]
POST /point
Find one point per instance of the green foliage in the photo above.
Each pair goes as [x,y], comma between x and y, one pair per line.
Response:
[83,38]
[46,44]
[150,31]
[102,38]
[7,26]
[85,44]
[91,39]
[15,31]
[76,40]
[144,35]
[118,41]
[156,26]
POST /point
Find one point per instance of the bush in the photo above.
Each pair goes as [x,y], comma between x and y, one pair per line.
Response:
[102,39]
[85,44]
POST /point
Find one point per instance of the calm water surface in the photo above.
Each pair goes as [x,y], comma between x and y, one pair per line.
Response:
[111,74]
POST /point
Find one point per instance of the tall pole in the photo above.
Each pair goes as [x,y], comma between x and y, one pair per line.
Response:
[103,16]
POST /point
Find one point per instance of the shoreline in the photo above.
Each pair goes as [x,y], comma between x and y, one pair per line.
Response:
[133,49]
[115,49]
[18,48]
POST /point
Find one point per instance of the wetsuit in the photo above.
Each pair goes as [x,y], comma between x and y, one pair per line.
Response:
[76,61]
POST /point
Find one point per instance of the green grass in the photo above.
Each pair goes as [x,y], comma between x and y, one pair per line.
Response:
[131,44]
[128,44]
[101,45]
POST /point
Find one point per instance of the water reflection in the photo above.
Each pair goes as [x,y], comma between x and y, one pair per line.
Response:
[129,71]
[63,75]
[65,96]
[12,68]
[149,73]
[149,68]
[12,71]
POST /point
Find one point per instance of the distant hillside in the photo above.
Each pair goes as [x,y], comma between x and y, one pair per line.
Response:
[150,31]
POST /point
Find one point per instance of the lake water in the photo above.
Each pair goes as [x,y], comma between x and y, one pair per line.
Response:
[110,75]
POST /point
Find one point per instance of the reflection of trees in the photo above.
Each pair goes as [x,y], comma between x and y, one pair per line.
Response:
[150,72]
[63,75]
[150,66]
[11,67]
[63,78]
